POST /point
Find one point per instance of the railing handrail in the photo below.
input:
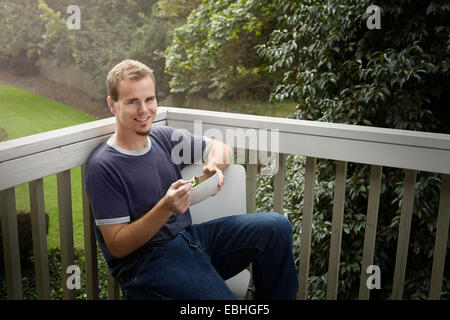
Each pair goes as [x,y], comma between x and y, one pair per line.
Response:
[317,128]
[406,149]
[413,150]
[40,142]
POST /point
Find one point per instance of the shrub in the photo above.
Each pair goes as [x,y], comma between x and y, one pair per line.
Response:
[25,238]
[56,285]
[54,263]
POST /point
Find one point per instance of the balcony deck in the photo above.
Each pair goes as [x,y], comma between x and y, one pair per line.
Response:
[29,159]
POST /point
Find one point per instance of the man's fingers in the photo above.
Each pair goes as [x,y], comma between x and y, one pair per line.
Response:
[220,183]
[209,168]
[183,189]
[221,179]
[177,184]
[206,169]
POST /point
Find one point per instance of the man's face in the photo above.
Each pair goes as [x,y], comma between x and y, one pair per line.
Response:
[136,106]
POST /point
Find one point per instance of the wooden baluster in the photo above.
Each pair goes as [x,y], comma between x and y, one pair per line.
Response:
[251,174]
[336,230]
[278,184]
[371,228]
[403,234]
[39,233]
[11,244]
[90,245]
[65,229]
[305,241]
[440,245]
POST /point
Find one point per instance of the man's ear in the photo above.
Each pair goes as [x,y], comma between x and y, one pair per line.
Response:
[111,106]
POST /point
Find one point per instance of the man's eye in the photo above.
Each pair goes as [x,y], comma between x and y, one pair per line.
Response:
[150,99]
[132,101]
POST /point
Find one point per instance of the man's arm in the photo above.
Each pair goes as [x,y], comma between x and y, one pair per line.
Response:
[124,238]
[219,158]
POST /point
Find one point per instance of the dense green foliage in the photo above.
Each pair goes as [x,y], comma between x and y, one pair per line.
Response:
[214,52]
[340,71]
[110,31]
[319,54]
[55,275]
[20,34]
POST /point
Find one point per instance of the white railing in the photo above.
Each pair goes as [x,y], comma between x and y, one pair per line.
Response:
[29,159]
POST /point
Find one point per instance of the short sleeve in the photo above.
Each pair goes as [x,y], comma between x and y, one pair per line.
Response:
[185,148]
[107,199]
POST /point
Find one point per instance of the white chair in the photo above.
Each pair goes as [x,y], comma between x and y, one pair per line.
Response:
[230,200]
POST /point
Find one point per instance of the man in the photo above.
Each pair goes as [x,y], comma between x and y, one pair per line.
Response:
[141,209]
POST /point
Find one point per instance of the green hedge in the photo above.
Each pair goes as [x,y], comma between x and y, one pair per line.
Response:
[54,262]
[56,285]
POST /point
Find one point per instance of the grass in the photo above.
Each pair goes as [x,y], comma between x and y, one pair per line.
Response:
[23,113]
[263,108]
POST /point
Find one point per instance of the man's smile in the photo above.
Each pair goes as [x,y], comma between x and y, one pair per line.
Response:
[142,119]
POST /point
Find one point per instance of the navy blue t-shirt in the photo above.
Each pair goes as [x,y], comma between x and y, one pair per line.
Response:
[124,185]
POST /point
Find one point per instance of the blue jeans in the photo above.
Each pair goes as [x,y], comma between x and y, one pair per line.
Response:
[196,262]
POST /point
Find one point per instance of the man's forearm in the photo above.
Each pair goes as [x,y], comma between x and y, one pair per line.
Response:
[122,239]
[220,154]
[131,236]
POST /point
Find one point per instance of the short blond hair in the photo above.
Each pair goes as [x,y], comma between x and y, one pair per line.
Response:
[127,69]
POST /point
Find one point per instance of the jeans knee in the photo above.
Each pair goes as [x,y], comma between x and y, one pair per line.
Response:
[283,223]
[277,223]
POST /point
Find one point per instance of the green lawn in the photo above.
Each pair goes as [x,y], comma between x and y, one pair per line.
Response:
[23,113]
[262,108]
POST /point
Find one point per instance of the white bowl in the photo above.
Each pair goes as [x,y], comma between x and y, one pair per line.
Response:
[205,189]
[207,186]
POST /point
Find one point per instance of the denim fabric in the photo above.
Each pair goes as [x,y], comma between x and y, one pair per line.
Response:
[196,262]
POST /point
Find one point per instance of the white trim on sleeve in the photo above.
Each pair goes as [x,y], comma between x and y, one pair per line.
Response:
[100,222]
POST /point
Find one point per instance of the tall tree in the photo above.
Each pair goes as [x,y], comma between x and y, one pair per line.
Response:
[20,31]
[214,51]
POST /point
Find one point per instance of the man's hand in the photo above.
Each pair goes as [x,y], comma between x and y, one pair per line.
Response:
[212,168]
[178,197]
[219,158]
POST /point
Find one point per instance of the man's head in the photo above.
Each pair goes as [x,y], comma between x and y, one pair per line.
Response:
[132,99]
[127,69]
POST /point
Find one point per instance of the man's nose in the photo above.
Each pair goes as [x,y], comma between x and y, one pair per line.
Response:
[141,106]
